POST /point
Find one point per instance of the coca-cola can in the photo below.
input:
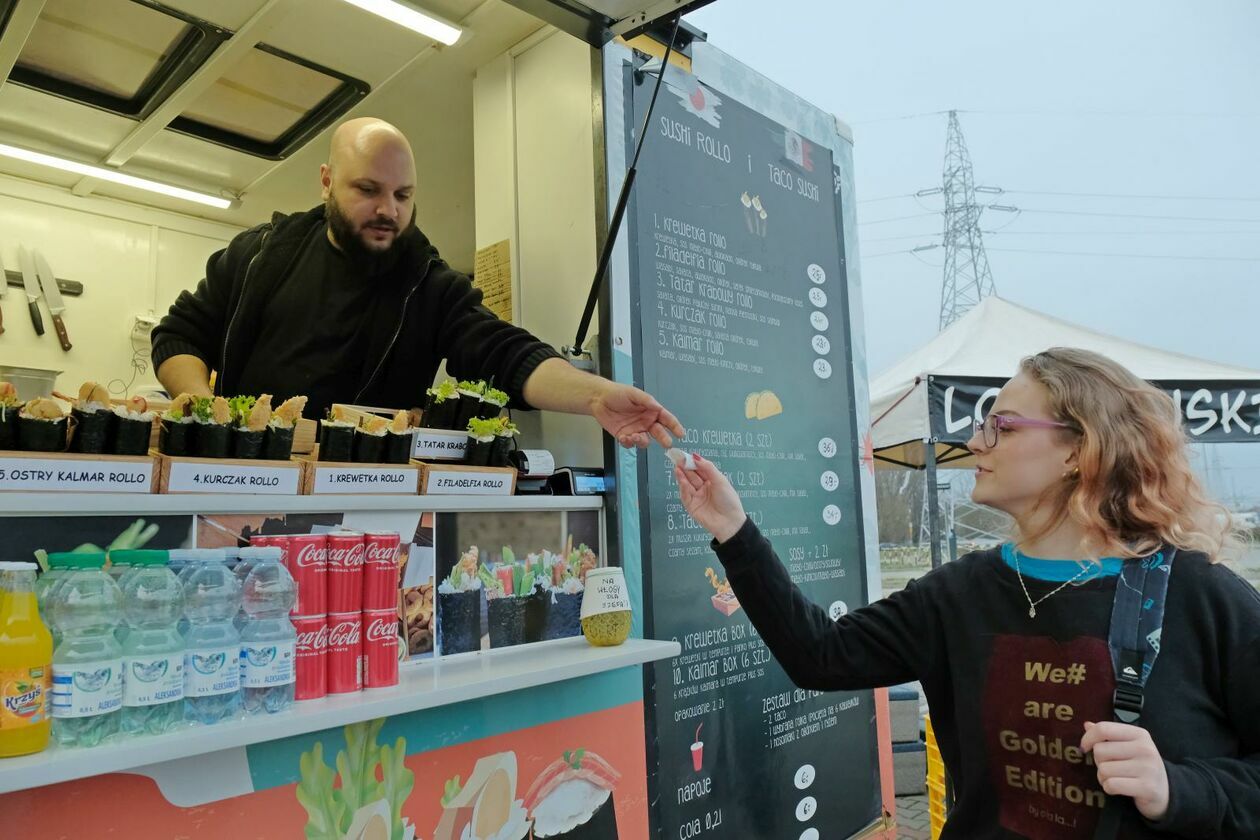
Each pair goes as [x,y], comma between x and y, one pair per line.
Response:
[345,571]
[281,542]
[312,657]
[345,653]
[380,648]
[259,541]
[380,570]
[308,563]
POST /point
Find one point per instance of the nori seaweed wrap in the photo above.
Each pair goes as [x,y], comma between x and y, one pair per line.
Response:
[563,617]
[441,404]
[572,798]
[469,403]
[459,621]
[93,420]
[492,403]
[9,408]
[212,434]
[278,439]
[41,427]
[133,428]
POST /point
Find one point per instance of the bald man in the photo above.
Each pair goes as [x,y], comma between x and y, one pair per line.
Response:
[349,302]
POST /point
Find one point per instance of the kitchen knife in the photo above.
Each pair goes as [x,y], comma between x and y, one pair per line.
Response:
[53,295]
[4,290]
[30,281]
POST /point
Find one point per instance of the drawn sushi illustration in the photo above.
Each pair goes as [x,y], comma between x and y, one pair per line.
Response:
[572,798]
[485,807]
[564,596]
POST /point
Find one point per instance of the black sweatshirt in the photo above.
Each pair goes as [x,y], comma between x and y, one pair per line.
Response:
[424,312]
[1009,694]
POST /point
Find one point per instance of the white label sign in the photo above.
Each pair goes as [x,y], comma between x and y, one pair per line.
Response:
[39,474]
[434,445]
[460,483]
[189,477]
[365,480]
[605,592]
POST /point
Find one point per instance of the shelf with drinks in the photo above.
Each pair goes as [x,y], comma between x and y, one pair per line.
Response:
[435,683]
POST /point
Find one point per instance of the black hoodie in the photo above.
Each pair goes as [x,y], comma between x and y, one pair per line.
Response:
[426,312]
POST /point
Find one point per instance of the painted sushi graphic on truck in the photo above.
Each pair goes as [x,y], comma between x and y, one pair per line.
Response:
[572,798]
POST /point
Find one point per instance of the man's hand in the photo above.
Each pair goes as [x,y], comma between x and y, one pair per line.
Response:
[1129,764]
[631,415]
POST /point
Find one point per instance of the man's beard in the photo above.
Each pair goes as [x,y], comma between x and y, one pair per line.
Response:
[351,241]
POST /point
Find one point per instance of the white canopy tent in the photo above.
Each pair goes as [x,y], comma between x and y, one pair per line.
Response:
[923,407]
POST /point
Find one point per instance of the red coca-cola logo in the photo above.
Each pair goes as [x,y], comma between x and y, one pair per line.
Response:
[345,634]
[313,640]
[310,555]
[381,553]
[382,630]
[346,557]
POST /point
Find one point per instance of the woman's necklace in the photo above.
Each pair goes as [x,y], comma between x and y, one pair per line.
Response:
[1032,605]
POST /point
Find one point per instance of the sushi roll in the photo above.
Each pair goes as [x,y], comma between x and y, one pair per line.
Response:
[481,437]
[336,436]
[175,434]
[493,401]
[42,426]
[514,602]
[250,417]
[133,427]
[469,402]
[93,420]
[440,407]
[212,427]
[369,440]
[564,596]
[278,439]
[399,439]
[572,798]
[9,407]
[459,607]
[501,447]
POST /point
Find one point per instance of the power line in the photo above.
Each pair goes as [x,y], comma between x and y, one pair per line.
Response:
[1129,256]
[1141,216]
[1115,233]
[884,198]
[897,219]
[1138,196]
[909,236]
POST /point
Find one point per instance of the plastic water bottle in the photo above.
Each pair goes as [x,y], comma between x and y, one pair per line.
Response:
[241,568]
[268,640]
[185,561]
[45,591]
[153,653]
[87,664]
[122,563]
[212,647]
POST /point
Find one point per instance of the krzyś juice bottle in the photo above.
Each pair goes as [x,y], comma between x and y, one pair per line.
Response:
[25,664]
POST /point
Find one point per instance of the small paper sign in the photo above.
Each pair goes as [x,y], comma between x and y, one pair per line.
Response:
[364,480]
[35,475]
[439,445]
[448,482]
[189,477]
[605,592]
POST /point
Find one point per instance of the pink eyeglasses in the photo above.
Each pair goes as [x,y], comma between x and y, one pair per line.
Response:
[991,426]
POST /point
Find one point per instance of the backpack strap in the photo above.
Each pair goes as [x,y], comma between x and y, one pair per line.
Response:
[1137,618]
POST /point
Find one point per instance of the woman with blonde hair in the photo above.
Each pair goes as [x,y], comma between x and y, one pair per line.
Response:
[1070,696]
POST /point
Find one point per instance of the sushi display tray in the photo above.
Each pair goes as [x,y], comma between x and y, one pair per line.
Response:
[229,475]
[463,480]
[37,472]
[333,477]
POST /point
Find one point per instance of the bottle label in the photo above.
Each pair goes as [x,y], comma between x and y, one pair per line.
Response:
[149,680]
[85,689]
[24,696]
[211,671]
[266,664]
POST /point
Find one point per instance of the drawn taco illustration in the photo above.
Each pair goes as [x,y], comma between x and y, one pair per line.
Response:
[762,404]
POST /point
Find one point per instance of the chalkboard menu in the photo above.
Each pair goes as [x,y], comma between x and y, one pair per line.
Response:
[742,310]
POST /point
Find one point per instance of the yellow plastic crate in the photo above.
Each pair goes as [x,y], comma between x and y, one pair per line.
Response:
[935,782]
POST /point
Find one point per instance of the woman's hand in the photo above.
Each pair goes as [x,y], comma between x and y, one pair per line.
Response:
[1129,764]
[708,496]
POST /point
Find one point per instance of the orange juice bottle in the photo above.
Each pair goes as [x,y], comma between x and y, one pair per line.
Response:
[25,664]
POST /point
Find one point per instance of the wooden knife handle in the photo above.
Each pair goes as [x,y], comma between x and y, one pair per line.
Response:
[62,335]
[36,318]
[1,318]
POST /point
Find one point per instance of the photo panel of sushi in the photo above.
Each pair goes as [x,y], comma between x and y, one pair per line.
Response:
[511,579]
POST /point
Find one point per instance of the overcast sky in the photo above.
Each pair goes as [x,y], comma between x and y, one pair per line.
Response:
[1101,101]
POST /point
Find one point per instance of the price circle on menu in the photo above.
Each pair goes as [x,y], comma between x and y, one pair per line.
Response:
[818,320]
[816,274]
[806,808]
[837,609]
[831,514]
[818,297]
[827,447]
[820,344]
[829,481]
[810,834]
[804,777]
[822,368]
